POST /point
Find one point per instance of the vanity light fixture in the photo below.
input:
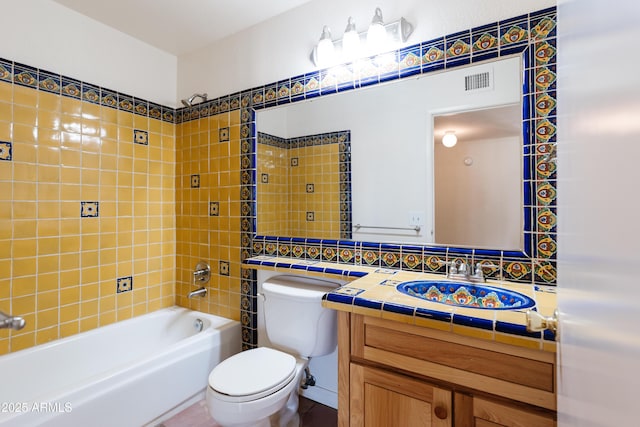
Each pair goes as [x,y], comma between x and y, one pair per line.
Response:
[449,139]
[380,37]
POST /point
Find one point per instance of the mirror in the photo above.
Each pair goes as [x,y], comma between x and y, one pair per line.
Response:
[379,170]
[478,191]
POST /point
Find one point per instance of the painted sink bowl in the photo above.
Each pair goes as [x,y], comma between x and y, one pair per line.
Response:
[462,294]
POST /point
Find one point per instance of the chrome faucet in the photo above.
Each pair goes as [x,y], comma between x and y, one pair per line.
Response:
[201,275]
[12,322]
[465,271]
[198,292]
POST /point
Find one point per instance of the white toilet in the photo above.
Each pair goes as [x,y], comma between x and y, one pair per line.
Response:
[259,387]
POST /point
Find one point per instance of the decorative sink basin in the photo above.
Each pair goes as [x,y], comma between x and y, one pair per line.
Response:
[462,294]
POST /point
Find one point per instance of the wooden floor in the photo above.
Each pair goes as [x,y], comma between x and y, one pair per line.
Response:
[312,414]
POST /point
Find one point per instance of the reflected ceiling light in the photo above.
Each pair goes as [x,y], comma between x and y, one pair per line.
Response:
[380,37]
[449,139]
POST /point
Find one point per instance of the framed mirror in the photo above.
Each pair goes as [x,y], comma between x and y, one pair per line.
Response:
[360,164]
[405,196]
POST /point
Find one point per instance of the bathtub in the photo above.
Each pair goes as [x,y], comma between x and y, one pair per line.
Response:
[128,373]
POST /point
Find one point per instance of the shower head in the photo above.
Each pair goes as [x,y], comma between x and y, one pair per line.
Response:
[189,102]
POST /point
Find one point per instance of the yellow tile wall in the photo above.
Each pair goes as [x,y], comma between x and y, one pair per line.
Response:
[273,197]
[317,165]
[57,270]
[201,236]
[283,202]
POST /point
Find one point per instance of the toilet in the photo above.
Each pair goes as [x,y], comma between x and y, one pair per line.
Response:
[259,387]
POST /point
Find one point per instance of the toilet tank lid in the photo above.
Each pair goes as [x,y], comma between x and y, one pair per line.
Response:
[298,287]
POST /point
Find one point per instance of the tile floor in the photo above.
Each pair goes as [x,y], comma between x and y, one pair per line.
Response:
[312,414]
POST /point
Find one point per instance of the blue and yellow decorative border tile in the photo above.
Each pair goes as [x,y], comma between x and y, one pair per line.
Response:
[6,70]
[24,75]
[109,98]
[49,82]
[90,93]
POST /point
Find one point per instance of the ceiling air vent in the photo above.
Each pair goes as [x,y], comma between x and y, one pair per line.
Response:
[478,81]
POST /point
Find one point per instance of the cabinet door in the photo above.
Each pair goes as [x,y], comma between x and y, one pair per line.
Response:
[471,411]
[381,399]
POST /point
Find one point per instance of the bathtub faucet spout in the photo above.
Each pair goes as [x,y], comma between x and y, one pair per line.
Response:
[13,322]
[198,292]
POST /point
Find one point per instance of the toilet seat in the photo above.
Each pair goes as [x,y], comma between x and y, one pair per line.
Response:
[252,374]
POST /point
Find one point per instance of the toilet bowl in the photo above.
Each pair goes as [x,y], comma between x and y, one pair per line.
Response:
[259,387]
[255,387]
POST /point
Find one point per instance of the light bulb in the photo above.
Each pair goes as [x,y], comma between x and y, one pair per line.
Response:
[449,139]
[376,35]
[350,40]
[325,49]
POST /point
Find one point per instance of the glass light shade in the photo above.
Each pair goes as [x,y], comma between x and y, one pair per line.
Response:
[350,40]
[377,34]
[449,139]
[325,51]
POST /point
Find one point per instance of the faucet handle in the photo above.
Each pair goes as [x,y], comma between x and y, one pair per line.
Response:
[463,267]
[479,273]
[453,267]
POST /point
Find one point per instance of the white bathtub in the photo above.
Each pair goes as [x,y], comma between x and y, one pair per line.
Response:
[125,374]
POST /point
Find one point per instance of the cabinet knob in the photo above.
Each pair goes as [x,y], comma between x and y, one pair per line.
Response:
[440,412]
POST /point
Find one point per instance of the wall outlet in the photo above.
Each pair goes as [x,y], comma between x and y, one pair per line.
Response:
[416,217]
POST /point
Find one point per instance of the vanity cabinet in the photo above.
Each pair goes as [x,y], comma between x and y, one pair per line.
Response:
[392,373]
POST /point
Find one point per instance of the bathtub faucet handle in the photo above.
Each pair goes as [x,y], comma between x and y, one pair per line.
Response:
[201,273]
[11,322]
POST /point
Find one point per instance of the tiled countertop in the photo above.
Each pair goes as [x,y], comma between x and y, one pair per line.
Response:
[372,291]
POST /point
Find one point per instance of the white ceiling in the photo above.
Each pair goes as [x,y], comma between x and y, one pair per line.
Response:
[489,123]
[180,26]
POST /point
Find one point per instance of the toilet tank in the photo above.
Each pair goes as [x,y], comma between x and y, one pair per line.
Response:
[295,320]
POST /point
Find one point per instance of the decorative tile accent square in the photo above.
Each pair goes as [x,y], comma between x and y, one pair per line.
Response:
[223,133]
[310,188]
[294,161]
[264,178]
[224,268]
[214,208]
[89,209]
[124,284]
[141,137]
[195,181]
[5,151]
[311,216]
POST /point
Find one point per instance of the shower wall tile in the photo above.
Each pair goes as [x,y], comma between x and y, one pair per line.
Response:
[82,205]
[208,225]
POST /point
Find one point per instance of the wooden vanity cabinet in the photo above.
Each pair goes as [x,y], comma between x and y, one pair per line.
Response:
[395,374]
